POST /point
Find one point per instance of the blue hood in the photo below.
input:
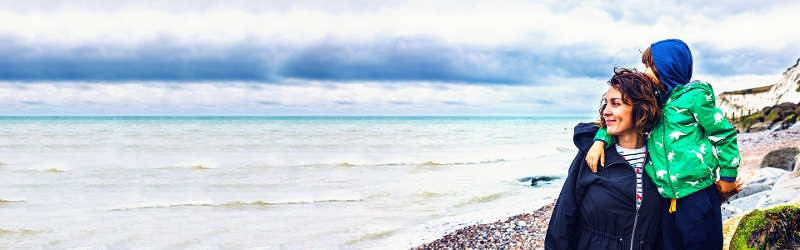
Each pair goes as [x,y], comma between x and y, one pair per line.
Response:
[673,61]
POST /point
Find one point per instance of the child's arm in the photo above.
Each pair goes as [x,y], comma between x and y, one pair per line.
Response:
[597,153]
[722,135]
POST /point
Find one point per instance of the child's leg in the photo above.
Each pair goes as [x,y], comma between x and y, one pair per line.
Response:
[669,229]
[696,223]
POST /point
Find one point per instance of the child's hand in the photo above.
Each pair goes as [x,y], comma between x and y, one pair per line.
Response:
[727,189]
[595,154]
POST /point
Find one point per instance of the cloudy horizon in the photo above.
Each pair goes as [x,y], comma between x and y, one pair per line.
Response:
[366,57]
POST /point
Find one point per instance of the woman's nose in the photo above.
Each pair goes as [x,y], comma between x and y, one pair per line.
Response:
[606,112]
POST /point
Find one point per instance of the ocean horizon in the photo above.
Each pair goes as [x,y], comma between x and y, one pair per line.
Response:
[282,182]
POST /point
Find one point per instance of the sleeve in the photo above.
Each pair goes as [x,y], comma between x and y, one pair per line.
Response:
[719,132]
[562,230]
[602,135]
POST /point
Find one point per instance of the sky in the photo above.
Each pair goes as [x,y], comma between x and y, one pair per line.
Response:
[367,57]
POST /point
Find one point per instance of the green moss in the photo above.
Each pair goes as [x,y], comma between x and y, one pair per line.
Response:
[751,223]
[751,118]
[747,225]
[789,117]
[772,116]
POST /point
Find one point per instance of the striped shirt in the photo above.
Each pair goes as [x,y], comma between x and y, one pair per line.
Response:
[636,158]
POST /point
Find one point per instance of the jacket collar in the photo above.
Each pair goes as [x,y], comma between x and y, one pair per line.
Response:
[613,157]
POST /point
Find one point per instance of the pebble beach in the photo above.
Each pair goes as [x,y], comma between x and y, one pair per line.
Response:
[527,230]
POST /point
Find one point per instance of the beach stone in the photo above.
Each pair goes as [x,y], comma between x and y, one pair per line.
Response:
[749,202]
[797,163]
[729,211]
[767,176]
[758,127]
[781,158]
[786,189]
[751,189]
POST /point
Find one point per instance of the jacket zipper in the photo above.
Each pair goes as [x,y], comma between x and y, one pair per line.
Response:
[633,233]
[636,219]
[663,140]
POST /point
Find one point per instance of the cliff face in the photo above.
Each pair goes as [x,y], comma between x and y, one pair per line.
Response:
[743,102]
[788,88]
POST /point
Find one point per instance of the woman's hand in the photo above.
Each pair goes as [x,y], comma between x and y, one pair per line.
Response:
[595,154]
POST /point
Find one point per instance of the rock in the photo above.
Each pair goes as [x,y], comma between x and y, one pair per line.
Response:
[535,180]
[773,228]
[786,188]
[781,158]
[759,126]
[729,211]
[797,163]
[748,203]
[767,176]
[751,189]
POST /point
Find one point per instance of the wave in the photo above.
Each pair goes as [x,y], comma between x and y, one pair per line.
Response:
[430,195]
[372,236]
[20,231]
[481,199]
[417,164]
[45,170]
[13,200]
[193,167]
[153,206]
[233,204]
[566,150]
[278,203]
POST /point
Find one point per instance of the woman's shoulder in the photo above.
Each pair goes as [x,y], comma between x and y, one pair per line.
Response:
[584,133]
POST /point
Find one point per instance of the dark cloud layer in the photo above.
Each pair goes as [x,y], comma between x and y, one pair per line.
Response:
[392,59]
[410,58]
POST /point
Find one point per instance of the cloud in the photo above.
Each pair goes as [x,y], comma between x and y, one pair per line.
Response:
[312,57]
[412,58]
[309,98]
[749,60]
[480,42]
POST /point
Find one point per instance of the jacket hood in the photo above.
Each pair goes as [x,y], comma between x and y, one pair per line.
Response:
[584,135]
[673,61]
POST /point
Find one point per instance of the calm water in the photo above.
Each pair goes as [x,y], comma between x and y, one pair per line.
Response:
[269,182]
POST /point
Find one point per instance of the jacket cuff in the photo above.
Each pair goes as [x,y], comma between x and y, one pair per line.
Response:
[728,172]
[728,179]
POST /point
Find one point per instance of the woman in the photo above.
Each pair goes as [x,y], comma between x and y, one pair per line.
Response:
[614,208]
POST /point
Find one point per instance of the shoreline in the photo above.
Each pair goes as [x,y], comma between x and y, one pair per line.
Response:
[527,230]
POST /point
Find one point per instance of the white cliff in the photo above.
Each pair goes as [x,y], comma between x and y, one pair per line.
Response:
[743,102]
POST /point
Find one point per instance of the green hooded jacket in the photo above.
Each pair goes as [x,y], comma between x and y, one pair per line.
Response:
[689,143]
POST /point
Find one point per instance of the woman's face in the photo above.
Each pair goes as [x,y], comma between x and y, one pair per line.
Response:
[617,114]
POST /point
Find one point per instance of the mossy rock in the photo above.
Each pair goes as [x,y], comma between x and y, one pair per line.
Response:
[772,117]
[774,228]
[754,118]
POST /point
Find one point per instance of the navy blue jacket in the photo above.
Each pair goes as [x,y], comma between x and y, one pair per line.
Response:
[598,210]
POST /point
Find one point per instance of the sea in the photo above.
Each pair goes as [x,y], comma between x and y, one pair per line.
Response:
[270,182]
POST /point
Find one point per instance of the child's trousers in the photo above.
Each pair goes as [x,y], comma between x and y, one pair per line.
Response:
[696,222]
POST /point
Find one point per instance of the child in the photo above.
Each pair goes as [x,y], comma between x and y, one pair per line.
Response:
[687,147]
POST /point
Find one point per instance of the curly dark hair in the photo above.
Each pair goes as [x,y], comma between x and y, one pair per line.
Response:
[640,92]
